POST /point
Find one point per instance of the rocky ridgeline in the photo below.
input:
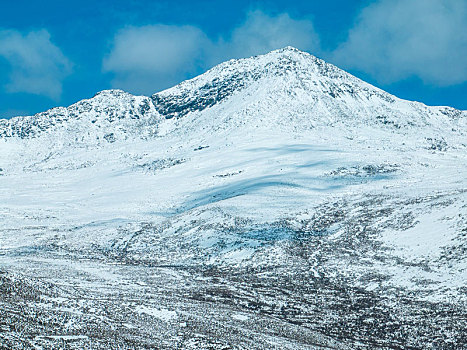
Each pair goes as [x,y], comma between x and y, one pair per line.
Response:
[285,81]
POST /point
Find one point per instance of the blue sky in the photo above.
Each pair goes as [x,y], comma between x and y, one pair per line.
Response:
[56,53]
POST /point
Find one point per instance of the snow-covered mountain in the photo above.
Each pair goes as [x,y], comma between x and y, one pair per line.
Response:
[286,88]
[273,201]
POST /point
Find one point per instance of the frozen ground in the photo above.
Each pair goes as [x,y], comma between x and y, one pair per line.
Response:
[273,202]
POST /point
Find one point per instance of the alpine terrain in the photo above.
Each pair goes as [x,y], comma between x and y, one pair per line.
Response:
[274,202]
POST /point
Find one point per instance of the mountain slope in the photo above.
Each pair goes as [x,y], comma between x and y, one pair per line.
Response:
[272,202]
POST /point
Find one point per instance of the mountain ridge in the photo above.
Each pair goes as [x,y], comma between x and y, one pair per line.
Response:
[307,74]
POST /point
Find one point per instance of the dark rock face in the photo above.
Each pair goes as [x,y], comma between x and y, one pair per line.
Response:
[207,96]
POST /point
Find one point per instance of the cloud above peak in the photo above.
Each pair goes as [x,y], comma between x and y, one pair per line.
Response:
[261,33]
[149,58]
[397,39]
[391,40]
[37,66]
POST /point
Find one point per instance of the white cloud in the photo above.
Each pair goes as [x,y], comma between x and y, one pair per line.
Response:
[37,65]
[261,33]
[149,58]
[397,39]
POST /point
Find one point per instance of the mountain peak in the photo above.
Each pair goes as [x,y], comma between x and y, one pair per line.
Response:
[112,93]
[287,67]
[287,50]
[295,89]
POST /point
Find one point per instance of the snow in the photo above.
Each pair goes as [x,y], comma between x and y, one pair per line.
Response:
[260,150]
[162,314]
[64,337]
[240,317]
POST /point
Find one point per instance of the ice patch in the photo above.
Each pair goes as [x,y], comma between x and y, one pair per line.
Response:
[240,317]
[162,314]
[62,337]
